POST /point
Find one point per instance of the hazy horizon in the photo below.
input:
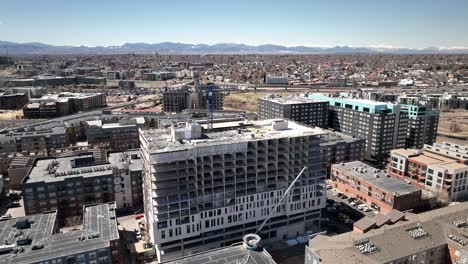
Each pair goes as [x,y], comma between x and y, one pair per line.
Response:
[393,24]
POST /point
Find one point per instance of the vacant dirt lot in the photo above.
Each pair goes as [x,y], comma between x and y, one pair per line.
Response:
[246,101]
[453,126]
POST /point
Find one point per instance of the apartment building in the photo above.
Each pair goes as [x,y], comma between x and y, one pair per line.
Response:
[422,125]
[374,187]
[382,125]
[437,236]
[33,141]
[199,99]
[175,100]
[450,149]
[336,147]
[13,101]
[337,82]
[441,101]
[276,79]
[207,190]
[307,111]
[29,91]
[180,99]
[442,173]
[37,239]
[56,105]
[66,184]
[117,136]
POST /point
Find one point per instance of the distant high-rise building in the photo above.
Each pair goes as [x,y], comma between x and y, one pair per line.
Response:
[382,125]
[276,79]
[422,125]
[178,100]
[307,111]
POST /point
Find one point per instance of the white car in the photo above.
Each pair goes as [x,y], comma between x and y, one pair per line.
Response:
[361,207]
[367,209]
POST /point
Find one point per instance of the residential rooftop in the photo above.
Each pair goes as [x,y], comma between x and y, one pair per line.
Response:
[376,177]
[59,169]
[292,99]
[99,228]
[420,233]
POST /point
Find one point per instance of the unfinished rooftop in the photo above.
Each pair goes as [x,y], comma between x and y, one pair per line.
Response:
[191,136]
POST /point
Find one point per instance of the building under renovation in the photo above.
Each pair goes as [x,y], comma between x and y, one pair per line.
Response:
[206,190]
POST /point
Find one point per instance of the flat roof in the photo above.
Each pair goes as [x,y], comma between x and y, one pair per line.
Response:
[159,140]
[231,254]
[394,241]
[376,178]
[59,169]
[405,152]
[99,228]
[292,100]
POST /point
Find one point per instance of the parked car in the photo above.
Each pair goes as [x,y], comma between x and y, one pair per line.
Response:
[351,199]
[331,209]
[361,206]
[329,187]
[349,221]
[357,203]
[14,204]
[140,216]
[339,195]
[5,217]
[367,209]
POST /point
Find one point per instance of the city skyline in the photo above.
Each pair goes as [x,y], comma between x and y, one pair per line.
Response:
[376,24]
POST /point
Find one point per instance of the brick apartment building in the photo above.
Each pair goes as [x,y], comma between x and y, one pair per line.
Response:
[374,188]
[436,168]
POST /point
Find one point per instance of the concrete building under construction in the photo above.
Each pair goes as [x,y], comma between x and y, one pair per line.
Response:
[206,190]
[180,99]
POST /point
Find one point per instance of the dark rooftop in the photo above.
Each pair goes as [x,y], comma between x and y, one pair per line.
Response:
[99,228]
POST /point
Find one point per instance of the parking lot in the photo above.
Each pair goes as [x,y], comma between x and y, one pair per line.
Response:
[12,206]
[341,213]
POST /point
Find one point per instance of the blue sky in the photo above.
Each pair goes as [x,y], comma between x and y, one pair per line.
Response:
[391,23]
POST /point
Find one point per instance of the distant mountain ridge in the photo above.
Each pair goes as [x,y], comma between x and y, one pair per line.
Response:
[221,48]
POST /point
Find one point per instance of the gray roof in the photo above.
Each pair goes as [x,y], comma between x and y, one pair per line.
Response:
[376,178]
[393,241]
[59,169]
[98,220]
[232,254]
[160,141]
[365,223]
[292,100]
